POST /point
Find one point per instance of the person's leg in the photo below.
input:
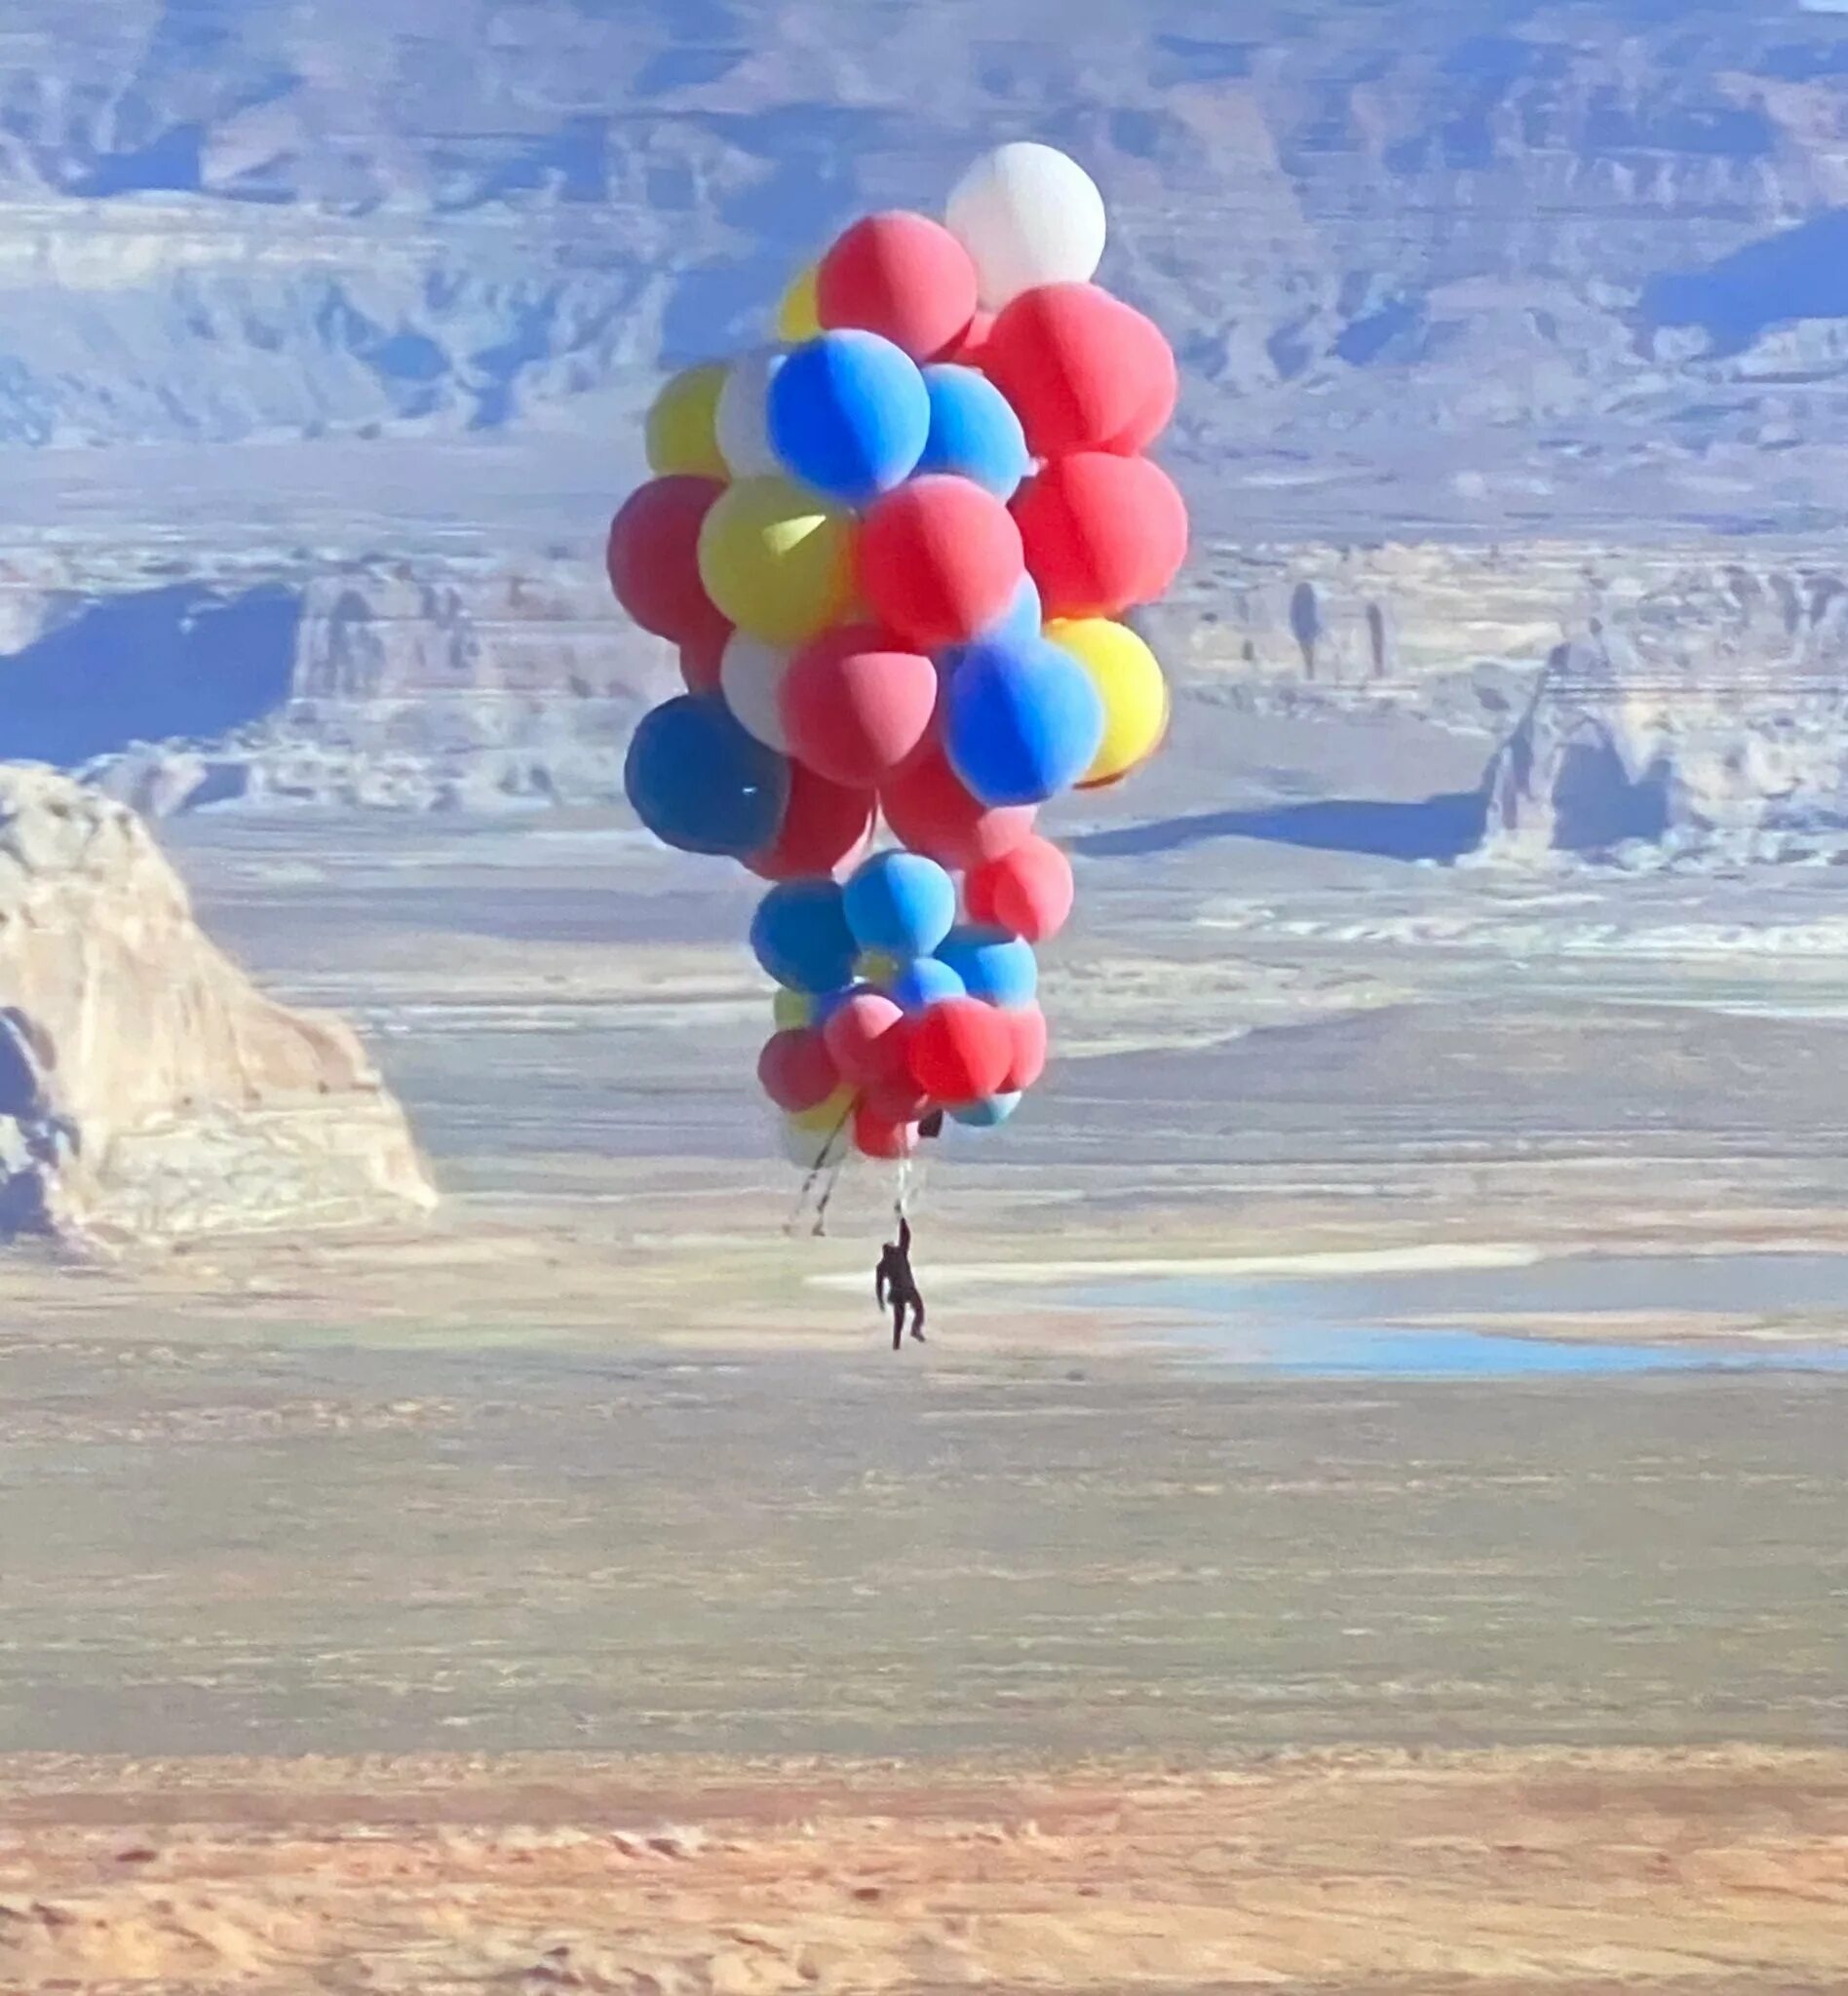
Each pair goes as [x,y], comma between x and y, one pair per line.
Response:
[917,1317]
[898,1324]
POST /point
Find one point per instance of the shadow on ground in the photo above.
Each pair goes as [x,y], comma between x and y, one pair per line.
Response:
[1439,827]
[159,665]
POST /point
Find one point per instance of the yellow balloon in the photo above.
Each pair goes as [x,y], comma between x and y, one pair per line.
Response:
[791,1009]
[777,559]
[799,316]
[682,426]
[828,1115]
[876,967]
[1129,680]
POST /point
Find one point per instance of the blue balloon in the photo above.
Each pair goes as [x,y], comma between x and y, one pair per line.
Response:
[993,966]
[973,432]
[850,415]
[700,783]
[801,938]
[1022,722]
[900,902]
[987,1115]
[924,982]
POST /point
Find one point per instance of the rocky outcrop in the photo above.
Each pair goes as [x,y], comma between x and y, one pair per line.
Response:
[1715,719]
[147,1090]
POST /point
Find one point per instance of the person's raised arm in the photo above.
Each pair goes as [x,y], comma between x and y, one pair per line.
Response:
[905,1237]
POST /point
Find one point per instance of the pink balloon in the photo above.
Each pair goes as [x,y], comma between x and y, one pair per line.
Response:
[1028,892]
[856,704]
[866,1040]
[797,1071]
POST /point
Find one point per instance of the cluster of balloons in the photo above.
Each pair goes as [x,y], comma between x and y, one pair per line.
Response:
[893,549]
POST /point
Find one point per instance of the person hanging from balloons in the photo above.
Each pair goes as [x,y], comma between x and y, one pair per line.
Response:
[896,1286]
[901,550]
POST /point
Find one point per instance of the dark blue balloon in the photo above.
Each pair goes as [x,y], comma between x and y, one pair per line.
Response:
[989,1114]
[993,966]
[900,902]
[973,432]
[1022,722]
[924,982]
[850,415]
[700,783]
[800,935]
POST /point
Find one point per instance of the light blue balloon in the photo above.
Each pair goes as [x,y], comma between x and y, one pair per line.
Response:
[1022,722]
[993,965]
[900,902]
[701,784]
[800,935]
[924,981]
[987,1115]
[850,415]
[973,432]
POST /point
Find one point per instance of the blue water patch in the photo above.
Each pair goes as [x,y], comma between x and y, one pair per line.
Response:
[1332,1328]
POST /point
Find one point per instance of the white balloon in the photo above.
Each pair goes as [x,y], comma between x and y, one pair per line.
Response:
[743,422]
[1028,215]
[751,675]
[806,1148]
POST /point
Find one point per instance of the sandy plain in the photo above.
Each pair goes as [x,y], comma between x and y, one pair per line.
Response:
[577,1595]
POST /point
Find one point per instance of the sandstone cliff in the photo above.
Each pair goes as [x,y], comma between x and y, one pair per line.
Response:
[147,1090]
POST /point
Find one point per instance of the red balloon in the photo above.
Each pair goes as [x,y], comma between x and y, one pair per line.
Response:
[903,275]
[875,1137]
[1157,408]
[1101,533]
[654,559]
[796,1070]
[824,825]
[968,351]
[1075,364]
[866,1039]
[961,1052]
[898,1101]
[1026,1049]
[700,660]
[1028,892]
[930,810]
[856,704]
[940,560]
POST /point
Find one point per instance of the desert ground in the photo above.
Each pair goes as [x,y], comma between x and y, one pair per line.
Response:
[577,1593]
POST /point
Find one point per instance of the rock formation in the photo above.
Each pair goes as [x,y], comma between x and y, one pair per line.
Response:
[1713,718]
[147,1090]
[1496,321]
